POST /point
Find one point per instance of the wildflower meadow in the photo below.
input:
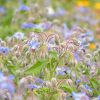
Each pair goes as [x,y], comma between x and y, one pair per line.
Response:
[49,49]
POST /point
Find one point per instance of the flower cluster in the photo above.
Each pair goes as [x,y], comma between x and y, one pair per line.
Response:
[49,51]
[6,86]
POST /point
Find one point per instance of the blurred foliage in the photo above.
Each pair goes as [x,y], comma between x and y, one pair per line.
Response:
[8,28]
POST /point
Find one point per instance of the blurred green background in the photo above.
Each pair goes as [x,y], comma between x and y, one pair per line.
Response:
[7,27]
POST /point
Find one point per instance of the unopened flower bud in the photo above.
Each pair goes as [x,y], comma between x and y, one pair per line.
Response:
[63,96]
[54,82]
[48,84]
[69,81]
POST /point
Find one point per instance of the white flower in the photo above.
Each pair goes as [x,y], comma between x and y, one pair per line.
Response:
[50,11]
[19,35]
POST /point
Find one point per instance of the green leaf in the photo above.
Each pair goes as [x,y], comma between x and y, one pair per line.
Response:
[36,68]
[69,56]
[98,73]
[53,54]
[37,30]
[12,69]
[67,88]
[95,85]
[44,90]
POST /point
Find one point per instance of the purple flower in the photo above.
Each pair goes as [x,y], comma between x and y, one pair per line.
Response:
[77,81]
[50,45]
[98,97]
[80,96]
[60,12]
[91,39]
[65,27]
[87,33]
[33,44]
[44,26]
[11,77]
[61,70]
[6,83]
[49,48]
[2,10]
[33,86]
[4,50]
[76,55]
[66,32]
[84,78]
[39,81]
[23,8]
[81,36]
[28,25]
[41,26]
[83,9]
[1,76]
[87,87]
